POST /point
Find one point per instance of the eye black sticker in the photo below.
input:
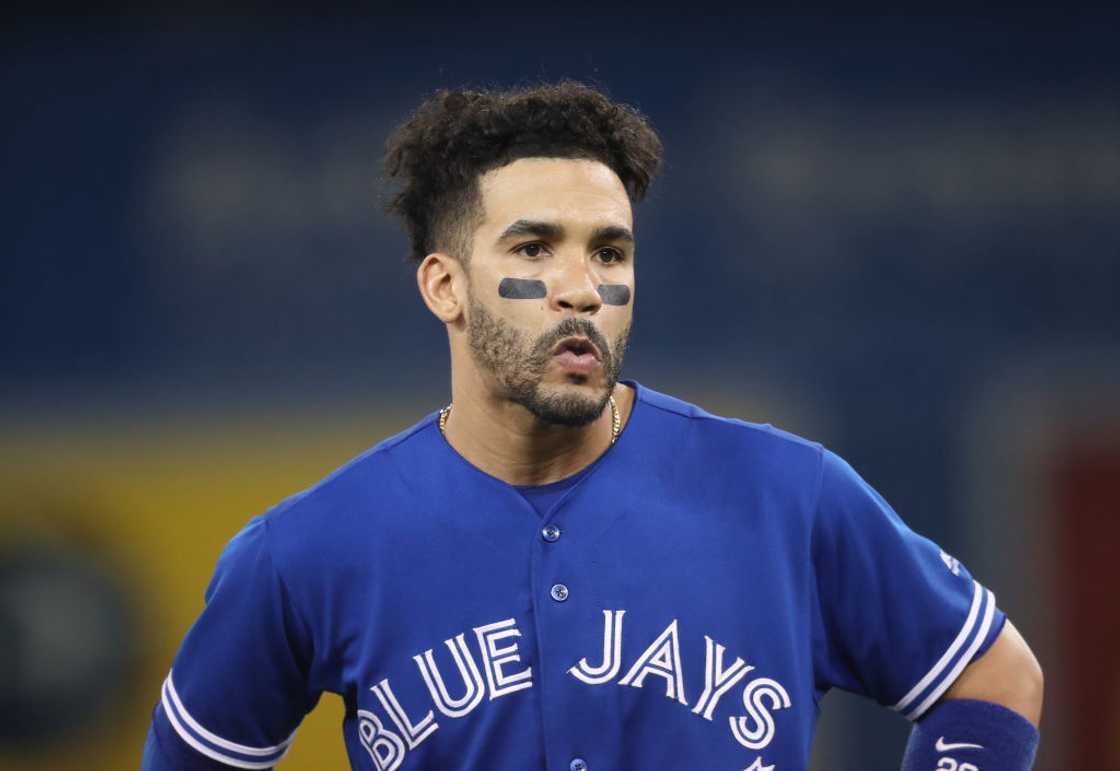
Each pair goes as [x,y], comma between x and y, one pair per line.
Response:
[614,294]
[522,289]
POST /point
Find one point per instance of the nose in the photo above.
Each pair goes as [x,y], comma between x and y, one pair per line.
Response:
[575,289]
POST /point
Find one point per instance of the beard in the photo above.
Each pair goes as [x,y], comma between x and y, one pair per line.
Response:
[519,365]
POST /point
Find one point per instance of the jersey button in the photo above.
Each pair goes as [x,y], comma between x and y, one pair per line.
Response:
[578,764]
[551,533]
[559,593]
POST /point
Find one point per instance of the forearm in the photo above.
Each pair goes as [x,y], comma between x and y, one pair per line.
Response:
[969,735]
[989,717]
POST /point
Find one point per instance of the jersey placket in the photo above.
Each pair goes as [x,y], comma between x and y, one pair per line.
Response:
[565,616]
[553,581]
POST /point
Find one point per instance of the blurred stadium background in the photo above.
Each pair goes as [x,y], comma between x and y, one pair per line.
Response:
[896,233]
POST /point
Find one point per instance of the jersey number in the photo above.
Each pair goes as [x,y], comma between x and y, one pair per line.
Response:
[948,764]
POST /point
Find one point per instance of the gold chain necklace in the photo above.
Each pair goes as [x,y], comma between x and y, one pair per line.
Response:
[616,420]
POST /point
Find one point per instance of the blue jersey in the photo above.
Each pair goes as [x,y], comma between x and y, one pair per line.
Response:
[685,603]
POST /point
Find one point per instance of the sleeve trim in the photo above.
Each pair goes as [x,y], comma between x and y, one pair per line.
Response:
[212,745]
[937,680]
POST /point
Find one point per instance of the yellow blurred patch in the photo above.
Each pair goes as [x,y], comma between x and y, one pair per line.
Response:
[154,500]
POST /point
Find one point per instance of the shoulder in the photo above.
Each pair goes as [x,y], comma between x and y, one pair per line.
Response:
[348,499]
[677,420]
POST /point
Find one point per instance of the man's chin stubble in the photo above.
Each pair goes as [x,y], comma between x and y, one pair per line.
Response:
[565,409]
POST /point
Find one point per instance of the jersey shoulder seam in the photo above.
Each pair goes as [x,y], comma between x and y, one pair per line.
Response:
[382,447]
[700,414]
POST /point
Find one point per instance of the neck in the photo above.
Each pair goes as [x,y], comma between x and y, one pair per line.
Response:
[508,442]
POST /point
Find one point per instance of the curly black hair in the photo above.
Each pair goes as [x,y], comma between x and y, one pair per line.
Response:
[454,137]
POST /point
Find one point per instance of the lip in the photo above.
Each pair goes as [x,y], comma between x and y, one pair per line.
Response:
[578,345]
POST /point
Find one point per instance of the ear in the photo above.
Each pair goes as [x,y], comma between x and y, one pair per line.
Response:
[442,284]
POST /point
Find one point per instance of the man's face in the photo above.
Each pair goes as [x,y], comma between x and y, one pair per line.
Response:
[551,292]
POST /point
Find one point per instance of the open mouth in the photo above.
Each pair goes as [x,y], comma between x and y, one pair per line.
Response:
[577,354]
[577,346]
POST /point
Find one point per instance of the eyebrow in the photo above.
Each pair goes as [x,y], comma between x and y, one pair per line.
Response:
[532,228]
[612,233]
[555,232]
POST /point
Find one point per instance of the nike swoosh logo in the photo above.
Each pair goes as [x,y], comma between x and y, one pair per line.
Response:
[942,746]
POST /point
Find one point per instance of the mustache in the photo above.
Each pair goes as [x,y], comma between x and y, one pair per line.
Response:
[570,328]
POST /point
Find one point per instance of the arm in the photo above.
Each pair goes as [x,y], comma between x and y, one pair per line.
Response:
[1008,674]
[239,685]
[988,718]
[903,622]
[164,752]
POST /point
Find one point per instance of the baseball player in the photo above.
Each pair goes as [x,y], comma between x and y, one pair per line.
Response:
[563,570]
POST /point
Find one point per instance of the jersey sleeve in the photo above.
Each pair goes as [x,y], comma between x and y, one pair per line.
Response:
[898,618]
[238,687]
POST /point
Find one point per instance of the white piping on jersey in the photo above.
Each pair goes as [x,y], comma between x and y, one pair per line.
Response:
[935,671]
[963,662]
[173,707]
[224,743]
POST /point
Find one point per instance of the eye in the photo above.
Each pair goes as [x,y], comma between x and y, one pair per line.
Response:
[532,251]
[610,256]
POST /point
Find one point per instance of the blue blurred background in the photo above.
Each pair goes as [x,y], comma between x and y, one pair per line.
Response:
[896,233]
